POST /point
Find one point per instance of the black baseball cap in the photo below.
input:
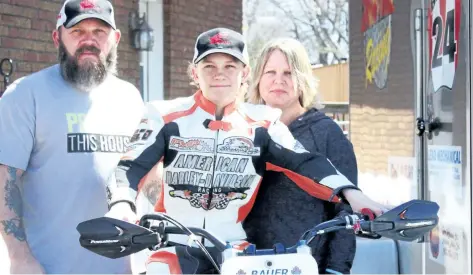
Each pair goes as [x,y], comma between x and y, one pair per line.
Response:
[74,11]
[220,40]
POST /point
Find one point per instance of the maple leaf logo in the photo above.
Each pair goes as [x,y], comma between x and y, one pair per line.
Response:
[220,38]
[87,4]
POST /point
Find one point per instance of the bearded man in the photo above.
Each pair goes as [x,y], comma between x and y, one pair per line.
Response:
[62,132]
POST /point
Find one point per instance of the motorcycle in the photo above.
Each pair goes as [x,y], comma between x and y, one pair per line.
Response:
[114,238]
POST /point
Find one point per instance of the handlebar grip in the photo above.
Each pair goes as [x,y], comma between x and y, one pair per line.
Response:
[368,213]
[366,230]
[365,226]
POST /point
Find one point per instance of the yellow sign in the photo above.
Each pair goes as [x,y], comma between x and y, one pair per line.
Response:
[377,56]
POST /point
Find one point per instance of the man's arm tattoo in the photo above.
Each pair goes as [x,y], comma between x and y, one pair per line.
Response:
[13,201]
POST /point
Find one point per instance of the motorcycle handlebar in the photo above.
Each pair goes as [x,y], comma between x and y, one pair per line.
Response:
[357,222]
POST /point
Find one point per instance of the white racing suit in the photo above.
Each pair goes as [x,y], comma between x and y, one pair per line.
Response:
[213,169]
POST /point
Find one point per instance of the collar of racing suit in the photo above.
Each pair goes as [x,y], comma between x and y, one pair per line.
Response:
[210,107]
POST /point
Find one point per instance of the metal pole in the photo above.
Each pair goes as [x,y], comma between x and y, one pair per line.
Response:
[419,93]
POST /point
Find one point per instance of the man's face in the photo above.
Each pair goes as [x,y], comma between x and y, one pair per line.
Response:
[87,52]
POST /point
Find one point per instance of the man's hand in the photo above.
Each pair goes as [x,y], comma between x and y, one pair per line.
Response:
[122,211]
[358,200]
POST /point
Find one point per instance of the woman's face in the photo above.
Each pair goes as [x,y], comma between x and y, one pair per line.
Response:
[220,77]
[276,85]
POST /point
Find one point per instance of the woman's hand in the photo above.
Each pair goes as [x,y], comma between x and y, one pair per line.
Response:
[358,200]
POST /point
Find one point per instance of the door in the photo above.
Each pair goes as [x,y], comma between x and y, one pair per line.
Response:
[447,136]
[152,62]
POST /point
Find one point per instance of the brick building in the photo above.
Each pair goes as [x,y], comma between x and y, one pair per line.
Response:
[382,99]
[382,103]
[26,25]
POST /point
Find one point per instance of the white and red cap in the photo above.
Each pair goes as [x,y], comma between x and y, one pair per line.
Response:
[74,11]
[220,40]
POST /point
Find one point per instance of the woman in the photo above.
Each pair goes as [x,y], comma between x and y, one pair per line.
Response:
[282,212]
[214,150]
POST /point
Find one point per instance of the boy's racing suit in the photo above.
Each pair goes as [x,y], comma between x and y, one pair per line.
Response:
[212,169]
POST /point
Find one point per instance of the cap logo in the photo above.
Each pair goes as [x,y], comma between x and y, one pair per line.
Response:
[87,4]
[220,38]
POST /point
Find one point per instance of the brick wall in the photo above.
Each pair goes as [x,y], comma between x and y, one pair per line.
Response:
[382,120]
[183,21]
[25,36]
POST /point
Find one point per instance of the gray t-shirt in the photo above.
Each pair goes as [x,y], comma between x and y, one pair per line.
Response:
[68,143]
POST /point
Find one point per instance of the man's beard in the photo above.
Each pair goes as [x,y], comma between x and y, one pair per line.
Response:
[89,74]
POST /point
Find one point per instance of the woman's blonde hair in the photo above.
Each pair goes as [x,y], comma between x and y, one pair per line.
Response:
[304,81]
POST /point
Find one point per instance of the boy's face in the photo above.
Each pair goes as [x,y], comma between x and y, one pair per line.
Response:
[220,77]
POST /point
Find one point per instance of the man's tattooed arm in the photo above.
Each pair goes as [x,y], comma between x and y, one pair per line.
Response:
[11,223]
[11,213]
[11,205]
